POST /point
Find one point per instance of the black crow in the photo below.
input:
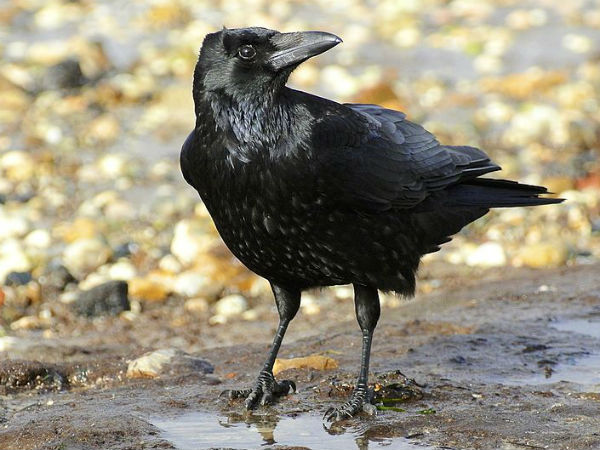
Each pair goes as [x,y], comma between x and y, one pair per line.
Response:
[308,192]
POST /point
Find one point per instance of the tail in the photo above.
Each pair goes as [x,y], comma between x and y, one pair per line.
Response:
[491,193]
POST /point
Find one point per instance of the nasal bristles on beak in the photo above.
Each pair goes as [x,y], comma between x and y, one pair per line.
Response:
[294,48]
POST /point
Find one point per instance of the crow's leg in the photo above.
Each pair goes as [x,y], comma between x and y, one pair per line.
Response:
[366,302]
[288,302]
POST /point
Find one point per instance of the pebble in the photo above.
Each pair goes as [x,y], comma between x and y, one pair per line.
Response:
[85,255]
[167,361]
[190,241]
[149,288]
[12,226]
[542,255]
[29,323]
[13,258]
[38,239]
[122,270]
[17,165]
[106,299]
[56,276]
[191,284]
[490,254]
[17,278]
[170,263]
[64,75]
[113,165]
[196,305]
[231,305]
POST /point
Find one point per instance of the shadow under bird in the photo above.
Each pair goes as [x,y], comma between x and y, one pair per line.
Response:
[307,192]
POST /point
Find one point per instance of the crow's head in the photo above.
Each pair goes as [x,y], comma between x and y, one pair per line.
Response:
[247,62]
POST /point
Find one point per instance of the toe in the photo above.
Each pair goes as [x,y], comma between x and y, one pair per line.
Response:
[252,399]
[266,399]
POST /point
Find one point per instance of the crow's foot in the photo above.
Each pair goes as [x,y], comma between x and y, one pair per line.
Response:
[265,390]
[359,401]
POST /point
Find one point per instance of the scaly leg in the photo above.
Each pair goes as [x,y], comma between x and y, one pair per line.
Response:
[366,303]
[288,302]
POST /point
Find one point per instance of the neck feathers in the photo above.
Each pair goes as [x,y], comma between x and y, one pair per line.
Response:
[252,126]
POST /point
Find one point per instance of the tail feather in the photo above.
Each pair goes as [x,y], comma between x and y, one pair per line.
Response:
[491,193]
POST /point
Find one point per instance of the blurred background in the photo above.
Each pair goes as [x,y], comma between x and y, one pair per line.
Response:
[95,102]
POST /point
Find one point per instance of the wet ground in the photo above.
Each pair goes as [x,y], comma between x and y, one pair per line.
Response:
[511,362]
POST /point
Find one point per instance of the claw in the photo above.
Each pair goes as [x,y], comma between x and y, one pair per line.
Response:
[264,392]
[359,401]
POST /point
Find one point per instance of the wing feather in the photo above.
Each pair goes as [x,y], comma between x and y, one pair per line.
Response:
[382,161]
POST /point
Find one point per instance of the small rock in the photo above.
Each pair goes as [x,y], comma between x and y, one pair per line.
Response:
[81,228]
[85,255]
[542,255]
[13,258]
[114,165]
[190,240]
[196,305]
[29,323]
[167,361]
[17,278]
[490,254]
[122,270]
[231,305]
[310,305]
[39,239]
[107,299]
[125,250]
[57,276]
[17,165]
[191,284]
[12,226]
[64,75]
[169,263]
[149,288]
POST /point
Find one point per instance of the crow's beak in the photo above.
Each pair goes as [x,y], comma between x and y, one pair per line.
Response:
[294,48]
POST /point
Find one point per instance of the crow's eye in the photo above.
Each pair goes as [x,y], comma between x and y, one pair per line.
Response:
[247,52]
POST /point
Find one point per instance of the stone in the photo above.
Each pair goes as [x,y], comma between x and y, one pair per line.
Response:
[64,75]
[231,305]
[196,305]
[113,165]
[17,165]
[13,258]
[12,226]
[191,284]
[80,228]
[190,241]
[543,254]
[106,299]
[490,254]
[85,255]
[38,239]
[17,278]
[57,276]
[122,270]
[149,288]
[167,361]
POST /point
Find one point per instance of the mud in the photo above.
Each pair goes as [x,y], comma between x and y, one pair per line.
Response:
[511,363]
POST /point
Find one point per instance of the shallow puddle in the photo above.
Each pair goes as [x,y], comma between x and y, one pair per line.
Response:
[201,430]
[582,369]
[581,326]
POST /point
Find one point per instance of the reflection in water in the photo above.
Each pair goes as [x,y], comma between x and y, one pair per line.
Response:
[201,430]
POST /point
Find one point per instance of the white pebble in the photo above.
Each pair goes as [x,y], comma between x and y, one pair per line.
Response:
[231,305]
[490,254]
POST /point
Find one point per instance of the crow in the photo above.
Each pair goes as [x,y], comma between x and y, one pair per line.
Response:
[307,192]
